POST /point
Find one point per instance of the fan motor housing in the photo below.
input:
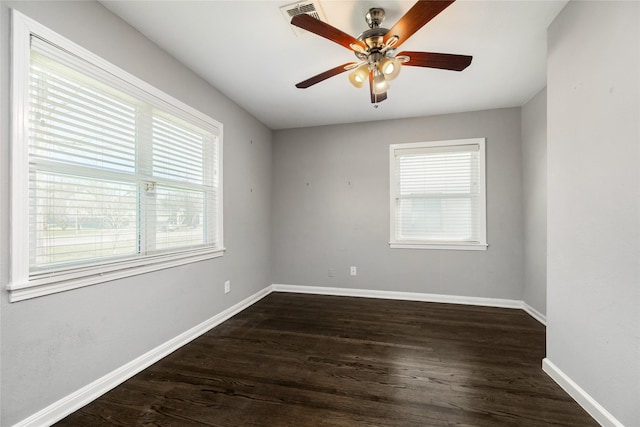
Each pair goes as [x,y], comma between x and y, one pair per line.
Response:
[373,38]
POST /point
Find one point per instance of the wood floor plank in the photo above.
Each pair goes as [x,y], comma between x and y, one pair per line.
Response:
[309,360]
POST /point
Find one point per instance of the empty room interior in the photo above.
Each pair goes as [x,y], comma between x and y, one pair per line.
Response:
[235,213]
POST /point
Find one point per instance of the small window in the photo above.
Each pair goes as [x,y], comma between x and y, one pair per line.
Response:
[438,195]
[110,176]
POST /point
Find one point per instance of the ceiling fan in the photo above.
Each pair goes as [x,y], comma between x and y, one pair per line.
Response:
[376,48]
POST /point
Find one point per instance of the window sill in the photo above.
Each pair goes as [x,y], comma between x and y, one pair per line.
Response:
[440,246]
[54,283]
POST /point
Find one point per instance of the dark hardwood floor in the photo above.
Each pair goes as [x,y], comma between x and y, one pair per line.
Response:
[307,360]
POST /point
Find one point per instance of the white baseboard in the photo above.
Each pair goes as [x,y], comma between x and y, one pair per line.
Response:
[414,296]
[534,313]
[407,296]
[583,398]
[65,406]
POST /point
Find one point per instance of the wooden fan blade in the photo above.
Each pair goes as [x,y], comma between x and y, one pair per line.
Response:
[445,61]
[375,98]
[421,13]
[325,30]
[323,76]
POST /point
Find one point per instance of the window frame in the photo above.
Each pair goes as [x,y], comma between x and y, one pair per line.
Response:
[23,284]
[396,243]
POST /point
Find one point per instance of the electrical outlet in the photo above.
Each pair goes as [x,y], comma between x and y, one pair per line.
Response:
[331,272]
[227,286]
[354,271]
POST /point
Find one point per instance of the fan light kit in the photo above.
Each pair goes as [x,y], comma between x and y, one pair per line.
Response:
[376,48]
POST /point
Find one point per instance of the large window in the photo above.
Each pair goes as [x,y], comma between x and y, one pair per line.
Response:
[438,195]
[110,177]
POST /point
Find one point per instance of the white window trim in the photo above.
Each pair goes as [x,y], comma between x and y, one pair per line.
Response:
[444,245]
[21,287]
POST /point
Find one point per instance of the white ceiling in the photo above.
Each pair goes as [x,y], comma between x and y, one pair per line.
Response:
[247,50]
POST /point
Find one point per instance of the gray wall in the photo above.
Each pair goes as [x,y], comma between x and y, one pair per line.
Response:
[54,345]
[331,208]
[593,305]
[534,184]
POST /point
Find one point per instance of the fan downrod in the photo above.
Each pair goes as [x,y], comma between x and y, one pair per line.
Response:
[374,17]
[373,37]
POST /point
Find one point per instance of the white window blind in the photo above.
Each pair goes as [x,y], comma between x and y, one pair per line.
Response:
[438,195]
[119,175]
